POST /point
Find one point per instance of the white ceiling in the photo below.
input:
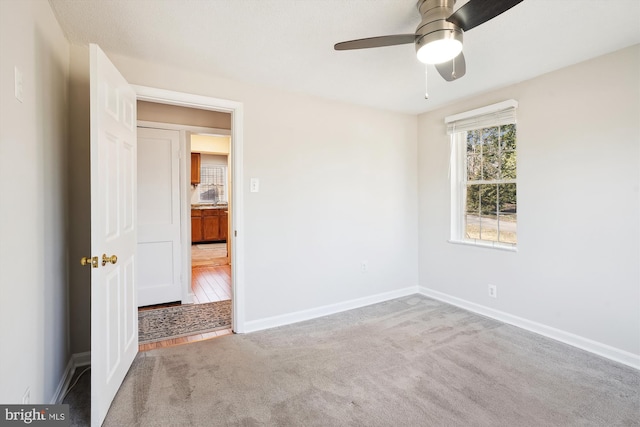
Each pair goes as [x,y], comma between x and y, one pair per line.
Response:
[288,44]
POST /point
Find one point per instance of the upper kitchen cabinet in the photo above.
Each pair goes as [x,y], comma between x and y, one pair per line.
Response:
[195,168]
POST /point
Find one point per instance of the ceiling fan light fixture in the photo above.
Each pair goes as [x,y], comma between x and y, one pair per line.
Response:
[439,46]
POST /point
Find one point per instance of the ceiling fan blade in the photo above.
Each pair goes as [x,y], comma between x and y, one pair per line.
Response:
[454,69]
[478,12]
[380,41]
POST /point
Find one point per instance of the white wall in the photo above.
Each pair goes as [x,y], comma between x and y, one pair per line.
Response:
[324,167]
[577,265]
[164,113]
[338,186]
[210,144]
[213,160]
[33,200]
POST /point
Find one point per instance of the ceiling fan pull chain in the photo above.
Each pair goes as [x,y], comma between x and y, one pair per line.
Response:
[453,71]
[426,83]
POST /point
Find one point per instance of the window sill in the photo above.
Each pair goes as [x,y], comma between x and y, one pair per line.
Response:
[485,245]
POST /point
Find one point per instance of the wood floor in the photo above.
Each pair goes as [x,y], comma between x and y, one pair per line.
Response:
[209,284]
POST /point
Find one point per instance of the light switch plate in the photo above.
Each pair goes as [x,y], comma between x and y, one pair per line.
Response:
[255,185]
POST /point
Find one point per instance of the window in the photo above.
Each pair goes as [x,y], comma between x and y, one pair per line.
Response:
[213,184]
[483,176]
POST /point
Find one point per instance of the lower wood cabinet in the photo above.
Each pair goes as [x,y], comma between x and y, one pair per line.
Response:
[224,224]
[196,226]
[209,225]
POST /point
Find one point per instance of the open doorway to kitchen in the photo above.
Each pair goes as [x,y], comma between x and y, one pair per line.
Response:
[210,202]
[202,307]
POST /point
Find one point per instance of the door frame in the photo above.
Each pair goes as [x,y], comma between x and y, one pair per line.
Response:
[162,96]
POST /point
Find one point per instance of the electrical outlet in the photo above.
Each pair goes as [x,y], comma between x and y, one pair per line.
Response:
[26,397]
[493,291]
[364,266]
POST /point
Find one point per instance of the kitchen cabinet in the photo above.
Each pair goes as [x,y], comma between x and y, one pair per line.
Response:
[209,225]
[196,225]
[224,224]
[195,168]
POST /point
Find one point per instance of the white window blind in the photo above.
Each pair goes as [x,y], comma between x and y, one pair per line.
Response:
[502,113]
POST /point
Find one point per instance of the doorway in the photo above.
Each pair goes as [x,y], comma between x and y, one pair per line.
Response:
[165,317]
[229,274]
[210,201]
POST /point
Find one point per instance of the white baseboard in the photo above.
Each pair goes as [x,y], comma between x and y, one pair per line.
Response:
[63,384]
[76,361]
[81,359]
[604,350]
[300,316]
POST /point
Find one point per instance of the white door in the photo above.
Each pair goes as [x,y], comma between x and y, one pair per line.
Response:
[159,257]
[114,315]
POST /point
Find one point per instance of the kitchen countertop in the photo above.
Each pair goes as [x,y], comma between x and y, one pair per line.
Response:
[209,206]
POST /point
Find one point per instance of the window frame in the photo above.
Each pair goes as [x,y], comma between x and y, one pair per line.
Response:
[458,174]
[201,185]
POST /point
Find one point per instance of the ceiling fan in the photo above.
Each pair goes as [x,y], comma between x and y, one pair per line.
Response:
[438,38]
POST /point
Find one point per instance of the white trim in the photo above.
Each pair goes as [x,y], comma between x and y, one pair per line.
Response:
[185,215]
[604,350]
[236,109]
[237,220]
[326,310]
[194,129]
[81,359]
[457,175]
[63,385]
[510,103]
[190,296]
[484,244]
[76,361]
[185,185]
[162,96]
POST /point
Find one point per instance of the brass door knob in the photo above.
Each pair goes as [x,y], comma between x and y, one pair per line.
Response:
[106,259]
[92,261]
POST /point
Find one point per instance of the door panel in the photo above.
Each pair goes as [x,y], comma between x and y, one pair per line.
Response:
[159,257]
[114,320]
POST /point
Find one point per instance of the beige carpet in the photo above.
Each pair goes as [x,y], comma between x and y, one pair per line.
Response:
[408,362]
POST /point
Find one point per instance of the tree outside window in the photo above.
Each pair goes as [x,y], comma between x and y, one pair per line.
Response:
[490,202]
